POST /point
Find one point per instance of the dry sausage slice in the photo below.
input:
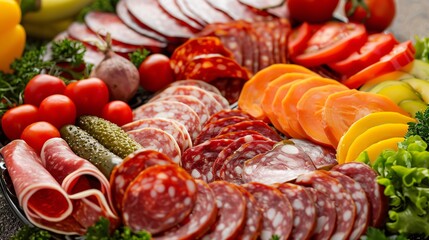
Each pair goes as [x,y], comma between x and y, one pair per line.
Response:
[211,130]
[253,223]
[326,215]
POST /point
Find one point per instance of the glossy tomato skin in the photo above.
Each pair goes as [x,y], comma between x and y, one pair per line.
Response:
[155,72]
[381,14]
[58,110]
[312,11]
[298,38]
[118,112]
[89,95]
[41,86]
[36,134]
[16,119]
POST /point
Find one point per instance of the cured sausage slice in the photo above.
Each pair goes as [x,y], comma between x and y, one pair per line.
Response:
[171,110]
[284,163]
[236,135]
[232,211]
[322,157]
[158,20]
[175,129]
[230,88]
[199,221]
[345,206]
[130,168]
[213,129]
[159,198]
[125,16]
[230,149]
[304,210]
[366,177]
[277,218]
[253,223]
[326,215]
[173,10]
[213,106]
[159,140]
[197,83]
[222,100]
[256,125]
[206,12]
[232,169]
[194,47]
[359,197]
[264,31]
[262,4]
[239,11]
[226,113]
[199,107]
[185,9]
[198,160]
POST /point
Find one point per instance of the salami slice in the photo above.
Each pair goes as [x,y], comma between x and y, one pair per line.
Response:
[213,129]
[222,100]
[173,10]
[359,197]
[304,210]
[277,218]
[345,206]
[231,214]
[125,16]
[103,23]
[230,88]
[175,129]
[130,168]
[159,198]
[208,13]
[230,149]
[198,160]
[158,140]
[185,9]
[158,20]
[232,169]
[262,4]
[171,110]
[256,125]
[264,31]
[236,135]
[199,107]
[194,47]
[366,177]
[226,113]
[253,223]
[322,157]
[239,11]
[326,215]
[280,33]
[284,163]
[197,83]
[199,221]
[204,96]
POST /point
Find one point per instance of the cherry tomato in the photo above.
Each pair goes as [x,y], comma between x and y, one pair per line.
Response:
[311,11]
[58,110]
[155,72]
[334,41]
[89,96]
[36,134]
[16,119]
[401,55]
[298,38]
[379,16]
[41,86]
[118,112]
[378,45]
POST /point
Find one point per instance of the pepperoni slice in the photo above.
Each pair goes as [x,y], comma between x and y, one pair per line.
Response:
[159,198]
[199,221]
[322,157]
[158,140]
[255,125]
[277,218]
[253,222]
[326,215]
[199,159]
[130,168]
[213,129]
[226,113]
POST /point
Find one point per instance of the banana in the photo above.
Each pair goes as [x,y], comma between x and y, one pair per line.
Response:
[54,10]
[47,30]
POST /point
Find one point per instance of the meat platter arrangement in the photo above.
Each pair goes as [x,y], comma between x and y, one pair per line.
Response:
[255,122]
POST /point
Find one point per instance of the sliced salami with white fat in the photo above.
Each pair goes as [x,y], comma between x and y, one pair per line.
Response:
[255,125]
[226,113]
[322,157]
[171,7]
[326,215]
[253,224]
[236,135]
[238,11]
[184,7]
[211,130]
[197,83]
[206,12]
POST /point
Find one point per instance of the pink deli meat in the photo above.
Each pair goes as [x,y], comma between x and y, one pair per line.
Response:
[196,83]
[322,157]
[171,7]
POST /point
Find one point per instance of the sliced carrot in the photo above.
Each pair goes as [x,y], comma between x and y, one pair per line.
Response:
[344,108]
[271,90]
[252,92]
[289,111]
[309,110]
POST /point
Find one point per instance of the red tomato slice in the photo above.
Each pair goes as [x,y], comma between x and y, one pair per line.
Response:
[298,38]
[378,45]
[331,43]
[401,55]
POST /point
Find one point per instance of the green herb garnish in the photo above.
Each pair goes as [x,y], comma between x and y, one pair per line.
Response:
[137,57]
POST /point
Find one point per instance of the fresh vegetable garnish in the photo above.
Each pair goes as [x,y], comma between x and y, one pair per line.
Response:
[31,233]
[377,234]
[422,49]
[137,57]
[98,6]
[375,15]
[100,231]
[421,127]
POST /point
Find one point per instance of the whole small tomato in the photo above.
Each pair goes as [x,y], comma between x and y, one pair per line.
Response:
[16,119]
[58,110]
[118,112]
[36,134]
[155,72]
[41,86]
[311,11]
[375,15]
[89,95]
